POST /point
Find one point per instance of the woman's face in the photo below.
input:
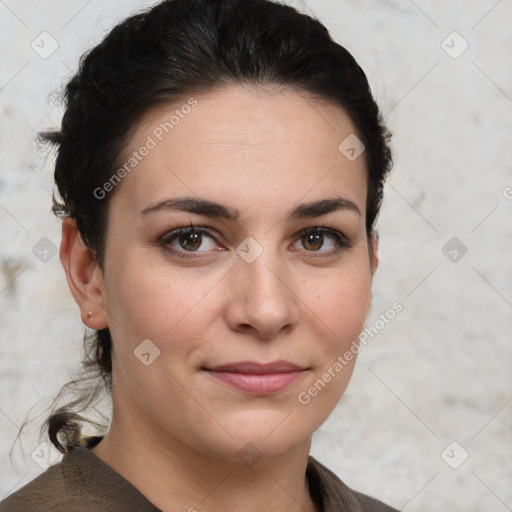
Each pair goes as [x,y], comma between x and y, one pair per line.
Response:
[195,316]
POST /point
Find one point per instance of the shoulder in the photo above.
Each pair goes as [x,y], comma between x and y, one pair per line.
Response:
[48,491]
[80,482]
[333,493]
[369,504]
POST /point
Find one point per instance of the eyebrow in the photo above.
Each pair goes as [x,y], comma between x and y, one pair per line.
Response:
[212,209]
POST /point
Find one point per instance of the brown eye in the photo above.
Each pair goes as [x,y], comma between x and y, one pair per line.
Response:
[314,240]
[189,240]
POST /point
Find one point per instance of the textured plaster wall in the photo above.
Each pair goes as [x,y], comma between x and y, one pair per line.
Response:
[426,421]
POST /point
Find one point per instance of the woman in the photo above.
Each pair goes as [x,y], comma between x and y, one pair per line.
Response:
[220,169]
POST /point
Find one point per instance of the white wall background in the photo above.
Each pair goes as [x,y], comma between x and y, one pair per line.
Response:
[440,371]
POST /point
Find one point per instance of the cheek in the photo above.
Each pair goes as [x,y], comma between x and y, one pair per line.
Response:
[164,305]
[340,309]
[341,301]
[155,301]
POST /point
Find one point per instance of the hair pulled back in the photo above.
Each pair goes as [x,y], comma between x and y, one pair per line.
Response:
[164,55]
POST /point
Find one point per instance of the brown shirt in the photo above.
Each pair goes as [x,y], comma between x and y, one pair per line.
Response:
[82,482]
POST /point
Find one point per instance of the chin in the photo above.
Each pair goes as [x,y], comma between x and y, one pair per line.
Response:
[261,433]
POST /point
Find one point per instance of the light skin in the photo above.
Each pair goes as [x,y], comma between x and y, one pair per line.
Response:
[176,429]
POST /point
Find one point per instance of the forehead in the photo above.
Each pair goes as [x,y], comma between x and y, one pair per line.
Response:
[240,144]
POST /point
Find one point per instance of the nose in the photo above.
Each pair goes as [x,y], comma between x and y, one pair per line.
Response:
[262,298]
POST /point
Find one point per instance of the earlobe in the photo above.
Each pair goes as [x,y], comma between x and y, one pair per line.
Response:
[83,276]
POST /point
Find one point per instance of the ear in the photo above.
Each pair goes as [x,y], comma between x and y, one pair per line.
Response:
[374,249]
[84,276]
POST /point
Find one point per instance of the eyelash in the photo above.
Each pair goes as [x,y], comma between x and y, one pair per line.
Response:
[341,241]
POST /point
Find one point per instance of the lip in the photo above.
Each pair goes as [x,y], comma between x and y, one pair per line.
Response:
[258,378]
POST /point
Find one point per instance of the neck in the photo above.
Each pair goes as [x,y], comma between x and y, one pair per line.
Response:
[177,477]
